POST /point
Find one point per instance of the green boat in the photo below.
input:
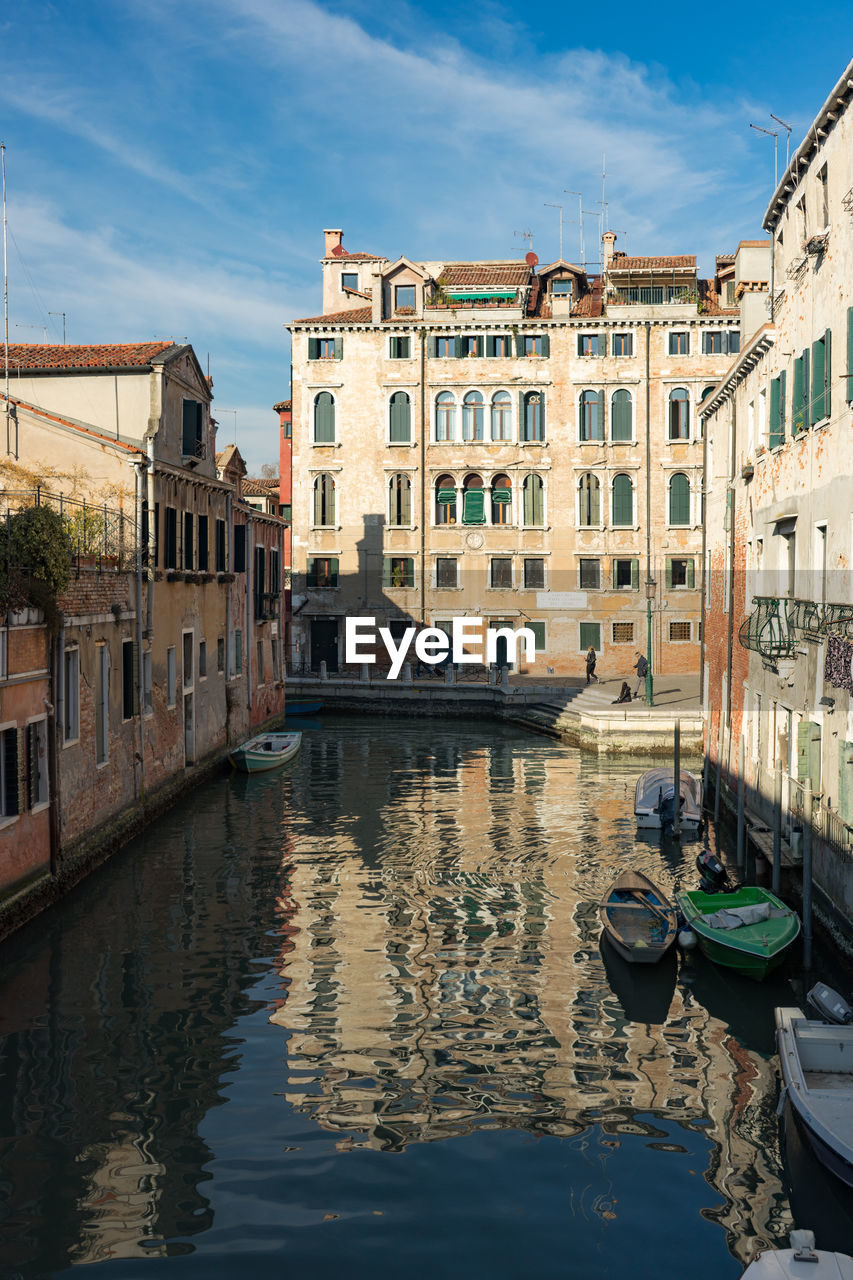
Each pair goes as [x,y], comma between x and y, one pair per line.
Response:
[748,930]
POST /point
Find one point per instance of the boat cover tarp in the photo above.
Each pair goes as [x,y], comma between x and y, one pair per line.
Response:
[734,917]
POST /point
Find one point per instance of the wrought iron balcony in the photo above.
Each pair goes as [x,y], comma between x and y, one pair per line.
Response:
[777,625]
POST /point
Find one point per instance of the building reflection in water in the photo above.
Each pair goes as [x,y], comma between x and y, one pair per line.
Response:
[450,975]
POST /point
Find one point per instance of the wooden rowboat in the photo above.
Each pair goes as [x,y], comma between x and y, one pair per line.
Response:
[637,918]
[266,751]
[304,708]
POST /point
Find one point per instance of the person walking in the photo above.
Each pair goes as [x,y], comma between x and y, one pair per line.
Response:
[642,668]
[590,664]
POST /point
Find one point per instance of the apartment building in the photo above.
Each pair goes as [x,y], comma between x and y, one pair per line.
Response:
[779,595]
[510,442]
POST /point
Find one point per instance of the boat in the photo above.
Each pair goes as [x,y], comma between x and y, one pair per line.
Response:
[654,802]
[266,751]
[786,1264]
[829,1005]
[637,919]
[817,1077]
[748,929]
[303,708]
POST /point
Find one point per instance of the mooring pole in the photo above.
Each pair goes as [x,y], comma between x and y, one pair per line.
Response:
[741,817]
[807,875]
[676,818]
[777,826]
[719,787]
[706,766]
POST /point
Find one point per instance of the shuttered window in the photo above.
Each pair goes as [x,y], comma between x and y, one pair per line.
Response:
[474,506]
[191,444]
[821,377]
[531,411]
[808,753]
[322,572]
[534,574]
[500,572]
[239,548]
[591,416]
[398,572]
[626,574]
[221,556]
[400,347]
[800,395]
[679,499]
[533,501]
[203,547]
[623,501]
[400,500]
[849,393]
[621,417]
[445,572]
[774,435]
[590,635]
[324,418]
[189,526]
[679,414]
[680,572]
[401,418]
[9,773]
[324,501]
[498,344]
[589,500]
[589,574]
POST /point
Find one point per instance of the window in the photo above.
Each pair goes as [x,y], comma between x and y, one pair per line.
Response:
[588,344]
[679,631]
[721,342]
[102,703]
[679,414]
[192,441]
[276,661]
[534,574]
[730,293]
[679,499]
[776,419]
[500,572]
[322,571]
[589,574]
[734,342]
[821,378]
[189,525]
[800,419]
[532,410]
[445,572]
[622,632]
[538,629]
[156,534]
[445,500]
[325,348]
[238,652]
[220,654]
[239,548]
[260,661]
[848,395]
[680,573]
[9,801]
[203,548]
[398,571]
[679,344]
[38,792]
[501,500]
[622,506]
[349,280]
[404,296]
[399,500]
[626,574]
[590,634]
[473,501]
[589,500]
[400,347]
[561,288]
[400,418]
[71,694]
[621,417]
[444,346]
[823,197]
[324,501]
[533,501]
[501,416]
[128,683]
[591,416]
[498,344]
[147,684]
[445,416]
[473,416]
[221,558]
[623,344]
[170,538]
[324,418]
[469,346]
[187,655]
[171,677]
[533,344]
[259,584]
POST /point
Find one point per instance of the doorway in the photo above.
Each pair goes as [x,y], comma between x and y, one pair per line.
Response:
[324,643]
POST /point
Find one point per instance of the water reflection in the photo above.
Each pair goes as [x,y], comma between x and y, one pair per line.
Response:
[415,908]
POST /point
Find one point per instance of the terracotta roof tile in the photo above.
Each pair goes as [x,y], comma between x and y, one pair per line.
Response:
[359,315]
[488,274]
[282,406]
[129,355]
[591,303]
[681,262]
[261,487]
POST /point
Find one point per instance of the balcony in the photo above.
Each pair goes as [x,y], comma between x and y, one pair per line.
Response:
[778,625]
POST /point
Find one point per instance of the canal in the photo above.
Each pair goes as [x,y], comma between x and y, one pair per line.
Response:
[355,1019]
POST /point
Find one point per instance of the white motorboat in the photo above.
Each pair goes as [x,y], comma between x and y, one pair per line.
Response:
[801,1260]
[817,1075]
[654,803]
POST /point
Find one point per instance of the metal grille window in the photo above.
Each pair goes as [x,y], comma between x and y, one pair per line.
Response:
[445,572]
[589,574]
[500,572]
[623,632]
[679,631]
[534,574]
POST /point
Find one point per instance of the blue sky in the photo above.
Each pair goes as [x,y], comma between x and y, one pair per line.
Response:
[170,167]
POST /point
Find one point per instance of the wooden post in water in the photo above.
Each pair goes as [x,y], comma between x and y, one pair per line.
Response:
[676,817]
[719,787]
[777,826]
[741,817]
[807,874]
[706,766]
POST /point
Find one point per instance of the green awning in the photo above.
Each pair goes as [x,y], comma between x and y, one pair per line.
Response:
[503,496]
[447,496]
[473,295]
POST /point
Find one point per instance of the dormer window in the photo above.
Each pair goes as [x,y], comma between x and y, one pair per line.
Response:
[562,288]
[349,280]
[404,297]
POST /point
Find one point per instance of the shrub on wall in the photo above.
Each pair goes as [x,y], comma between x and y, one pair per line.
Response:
[35,558]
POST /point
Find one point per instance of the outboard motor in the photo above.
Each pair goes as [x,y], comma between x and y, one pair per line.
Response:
[715,878]
[829,1004]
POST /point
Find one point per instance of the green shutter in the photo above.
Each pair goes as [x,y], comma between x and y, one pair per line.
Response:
[797,398]
[827,372]
[324,419]
[845,770]
[490,344]
[313,348]
[432,346]
[783,403]
[600,431]
[818,400]
[400,418]
[613,574]
[474,506]
[668,573]
[457,346]
[519,344]
[808,417]
[774,436]
[623,501]
[386,571]
[311,574]
[541,415]
[339,348]
[479,341]
[679,500]
[808,753]
[635,575]
[546,344]
[621,427]
[522,420]
[691,574]
[406,503]
[849,395]
[333,571]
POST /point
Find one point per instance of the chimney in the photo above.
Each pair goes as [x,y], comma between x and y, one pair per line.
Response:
[608,242]
[333,241]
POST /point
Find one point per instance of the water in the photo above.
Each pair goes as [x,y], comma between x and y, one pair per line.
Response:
[355,1019]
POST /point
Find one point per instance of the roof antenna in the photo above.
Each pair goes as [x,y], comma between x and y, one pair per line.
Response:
[787,129]
[774,134]
[582,263]
[527,235]
[560,207]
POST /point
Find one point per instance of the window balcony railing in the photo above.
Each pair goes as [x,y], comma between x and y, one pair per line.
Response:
[266,605]
[778,624]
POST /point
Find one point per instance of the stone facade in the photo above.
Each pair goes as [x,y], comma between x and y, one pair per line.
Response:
[508,442]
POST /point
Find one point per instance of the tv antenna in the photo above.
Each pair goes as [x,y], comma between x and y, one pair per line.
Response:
[566,191]
[234,411]
[788,131]
[527,235]
[560,207]
[60,313]
[43,328]
[774,134]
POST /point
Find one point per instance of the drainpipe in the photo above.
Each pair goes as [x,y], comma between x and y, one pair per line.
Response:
[702,578]
[730,502]
[139,471]
[250,636]
[55,658]
[229,560]
[650,684]
[423,478]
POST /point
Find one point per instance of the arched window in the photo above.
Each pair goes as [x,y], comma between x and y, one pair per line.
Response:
[533,501]
[473,416]
[324,500]
[501,499]
[401,418]
[501,416]
[399,500]
[589,500]
[532,415]
[324,418]
[445,416]
[679,499]
[706,391]
[621,417]
[622,501]
[591,415]
[679,414]
[445,500]
[473,500]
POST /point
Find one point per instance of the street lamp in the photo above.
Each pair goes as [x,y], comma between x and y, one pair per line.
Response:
[651,588]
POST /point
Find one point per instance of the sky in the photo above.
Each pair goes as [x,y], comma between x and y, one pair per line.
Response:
[170,167]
